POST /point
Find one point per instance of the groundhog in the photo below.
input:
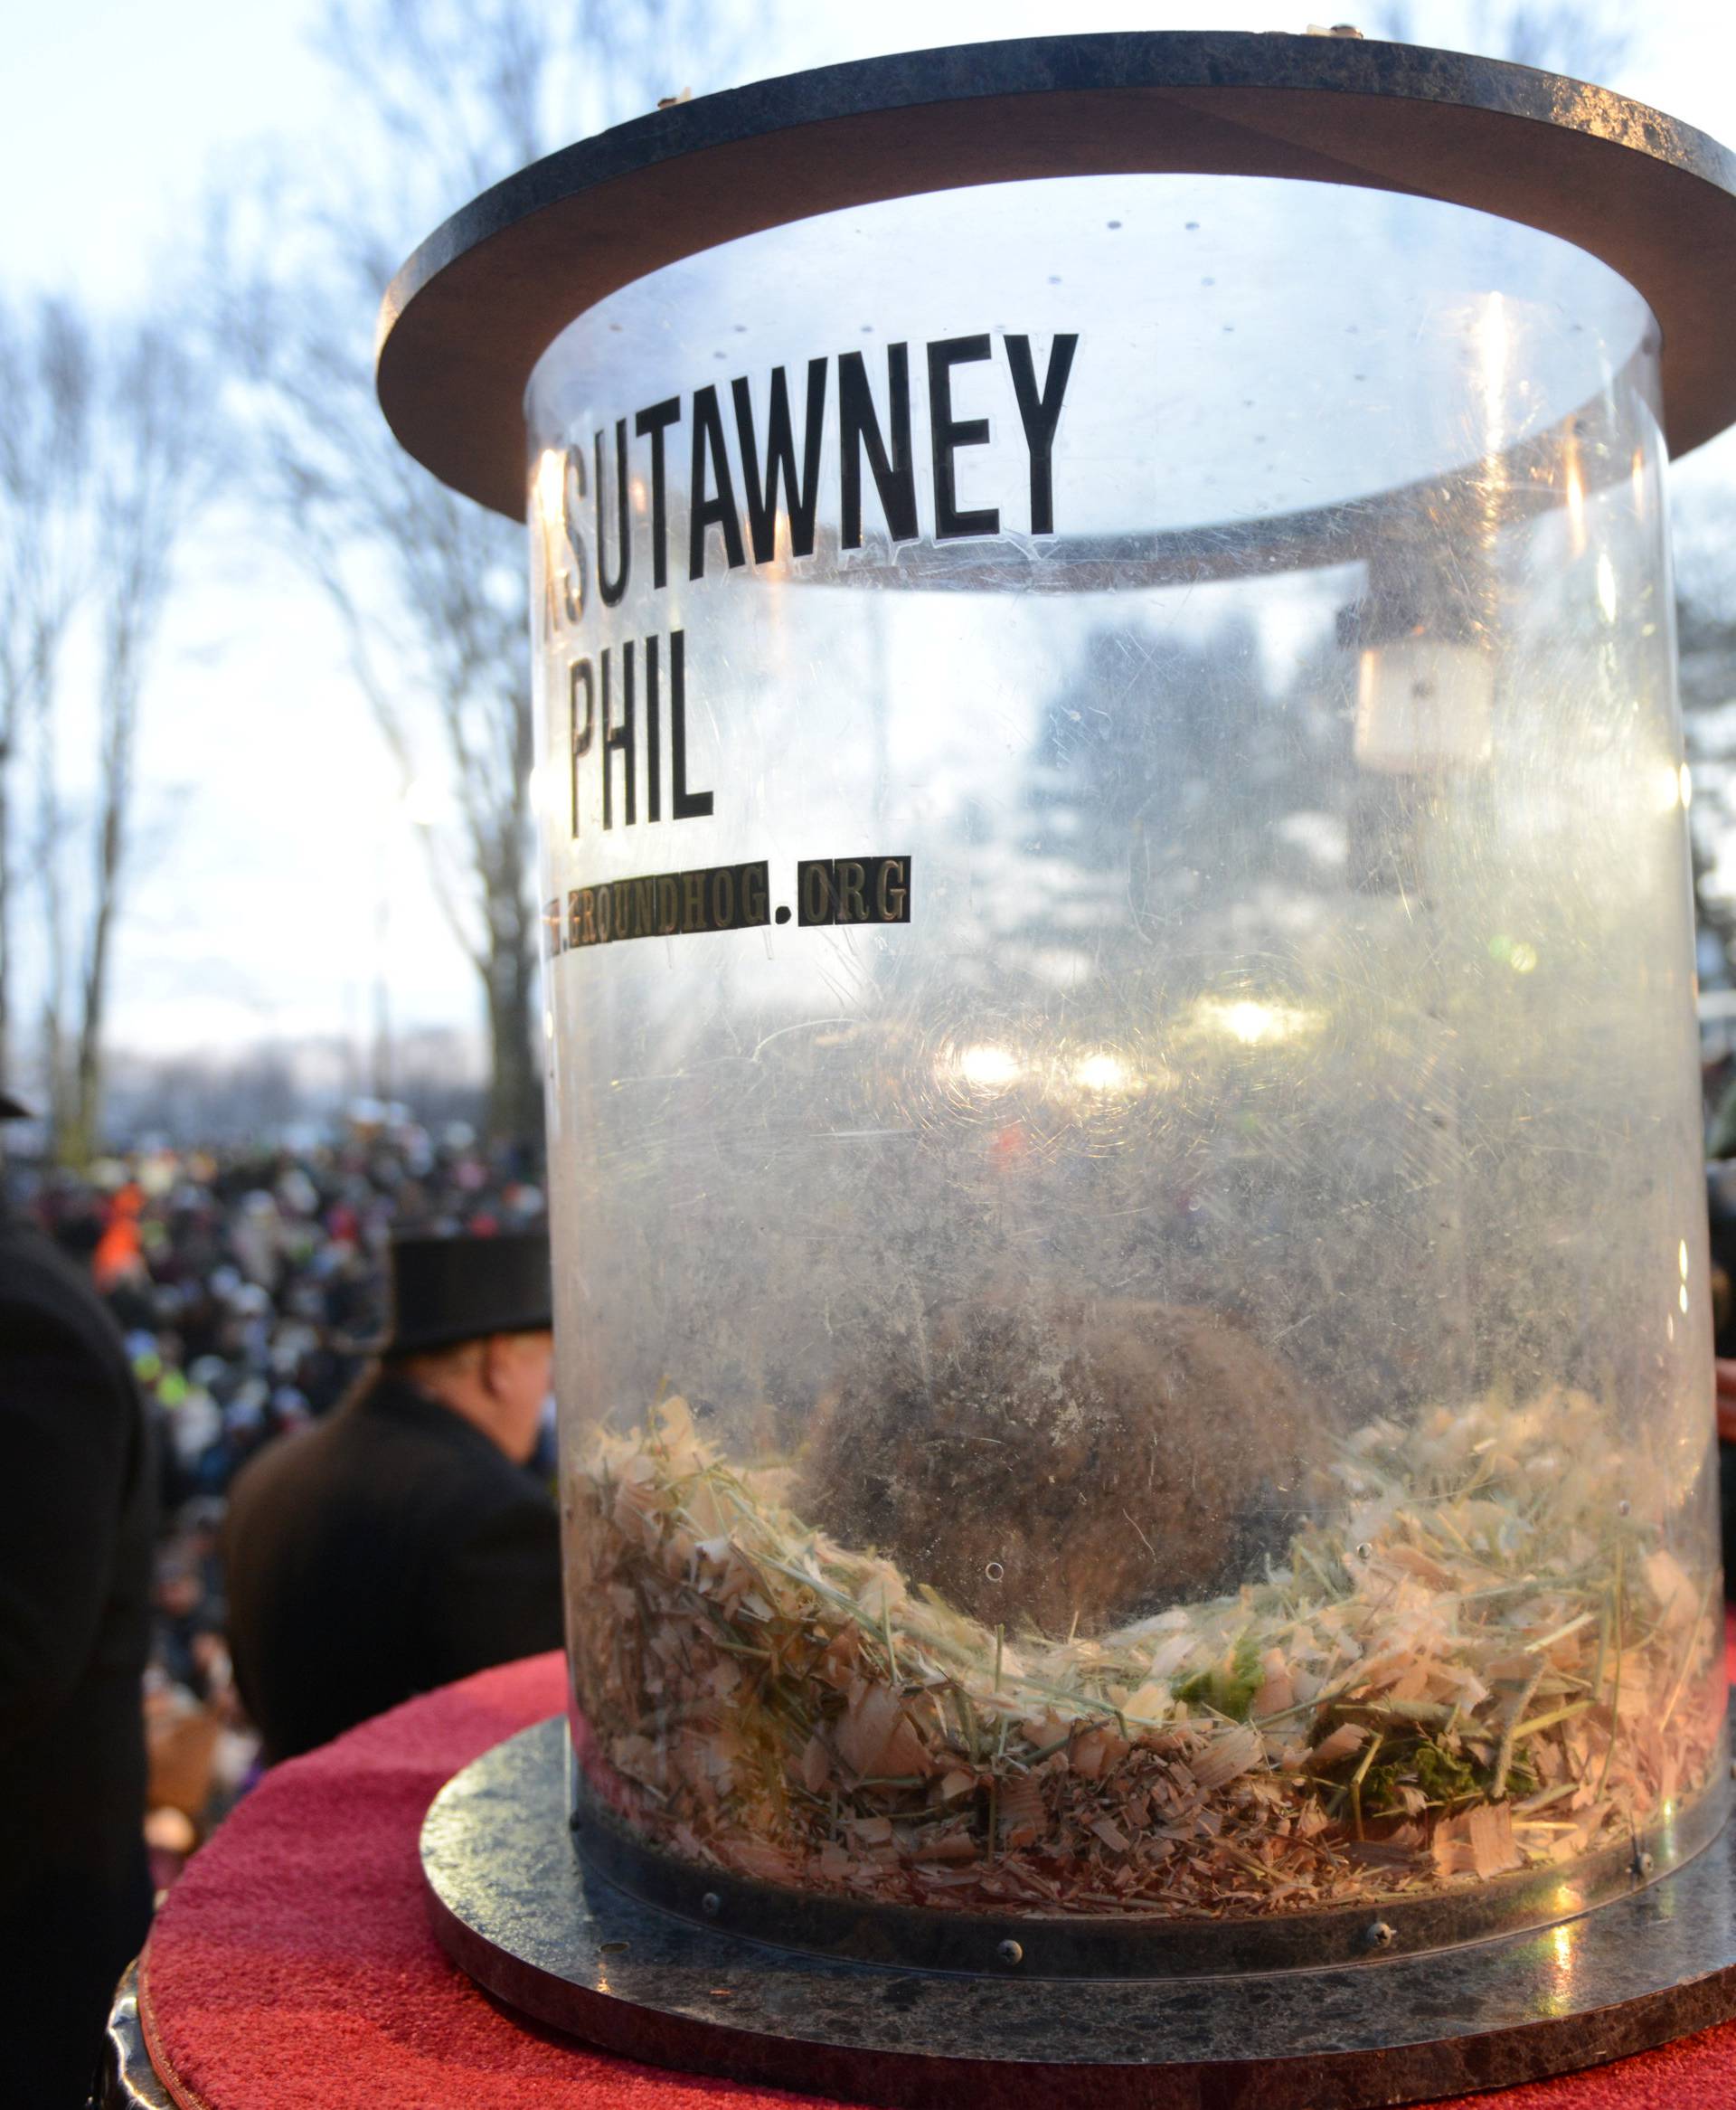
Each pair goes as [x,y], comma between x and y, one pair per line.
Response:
[1066,1467]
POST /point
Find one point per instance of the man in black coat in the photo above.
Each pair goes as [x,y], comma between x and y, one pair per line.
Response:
[75,1580]
[401,1543]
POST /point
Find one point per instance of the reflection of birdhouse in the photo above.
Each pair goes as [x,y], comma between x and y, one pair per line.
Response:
[1425,681]
[1423,705]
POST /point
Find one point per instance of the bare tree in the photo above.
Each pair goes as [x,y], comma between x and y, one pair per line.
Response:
[157,455]
[430,592]
[445,97]
[106,448]
[46,387]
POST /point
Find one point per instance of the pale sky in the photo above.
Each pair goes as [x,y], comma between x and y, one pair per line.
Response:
[269,809]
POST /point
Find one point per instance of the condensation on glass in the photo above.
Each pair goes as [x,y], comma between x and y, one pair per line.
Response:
[1121,1054]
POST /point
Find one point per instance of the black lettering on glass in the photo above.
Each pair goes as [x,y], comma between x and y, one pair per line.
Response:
[814,892]
[686,805]
[948,434]
[563,582]
[859,429]
[619,739]
[572,498]
[613,589]
[851,878]
[853,890]
[723,901]
[892,891]
[780,462]
[656,422]
[1040,414]
[752,895]
[653,733]
[711,465]
[664,905]
[580,676]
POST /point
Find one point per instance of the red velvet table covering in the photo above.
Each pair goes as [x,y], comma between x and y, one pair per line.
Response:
[292,1967]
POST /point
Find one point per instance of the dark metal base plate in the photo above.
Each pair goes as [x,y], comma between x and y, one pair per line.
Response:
[514,1906]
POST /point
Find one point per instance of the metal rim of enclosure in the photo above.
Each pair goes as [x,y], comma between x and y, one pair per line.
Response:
[1099,1947]
[466,319]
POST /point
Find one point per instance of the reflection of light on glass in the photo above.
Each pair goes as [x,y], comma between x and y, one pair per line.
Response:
[1685,777]
[1104,1073]
[990,1068]
[1575,504]
[551,475]
[1494,342]
[1606,587]
[1682,1295]
[636,487]
[1665,779]
[1682,1259]
[1422,702]
[1523,959]
[1639,480]
[548,1024]
[533,785]
[1494,346]
[1563,1940]
[1254,1024]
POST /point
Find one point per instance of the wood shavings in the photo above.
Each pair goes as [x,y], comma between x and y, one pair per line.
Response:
[1493,1650]
[1340,1743]
[1228,1757]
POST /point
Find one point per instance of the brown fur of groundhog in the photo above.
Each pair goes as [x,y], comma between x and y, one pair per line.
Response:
[1107,1457]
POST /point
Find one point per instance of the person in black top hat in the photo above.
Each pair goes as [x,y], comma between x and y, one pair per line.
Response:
[75,1575]
[401,1543]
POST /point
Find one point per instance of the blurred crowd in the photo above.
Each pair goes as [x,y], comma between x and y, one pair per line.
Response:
[246,1284]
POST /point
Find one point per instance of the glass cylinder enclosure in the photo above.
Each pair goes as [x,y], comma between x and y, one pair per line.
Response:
[1122,1062]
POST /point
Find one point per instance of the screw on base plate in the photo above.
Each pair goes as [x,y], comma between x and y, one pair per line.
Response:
[710,1903]
[1644,1864]
[1380,1934]
[1011,1952]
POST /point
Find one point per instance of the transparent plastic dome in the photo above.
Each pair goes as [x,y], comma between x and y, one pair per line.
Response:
[1123,1091]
